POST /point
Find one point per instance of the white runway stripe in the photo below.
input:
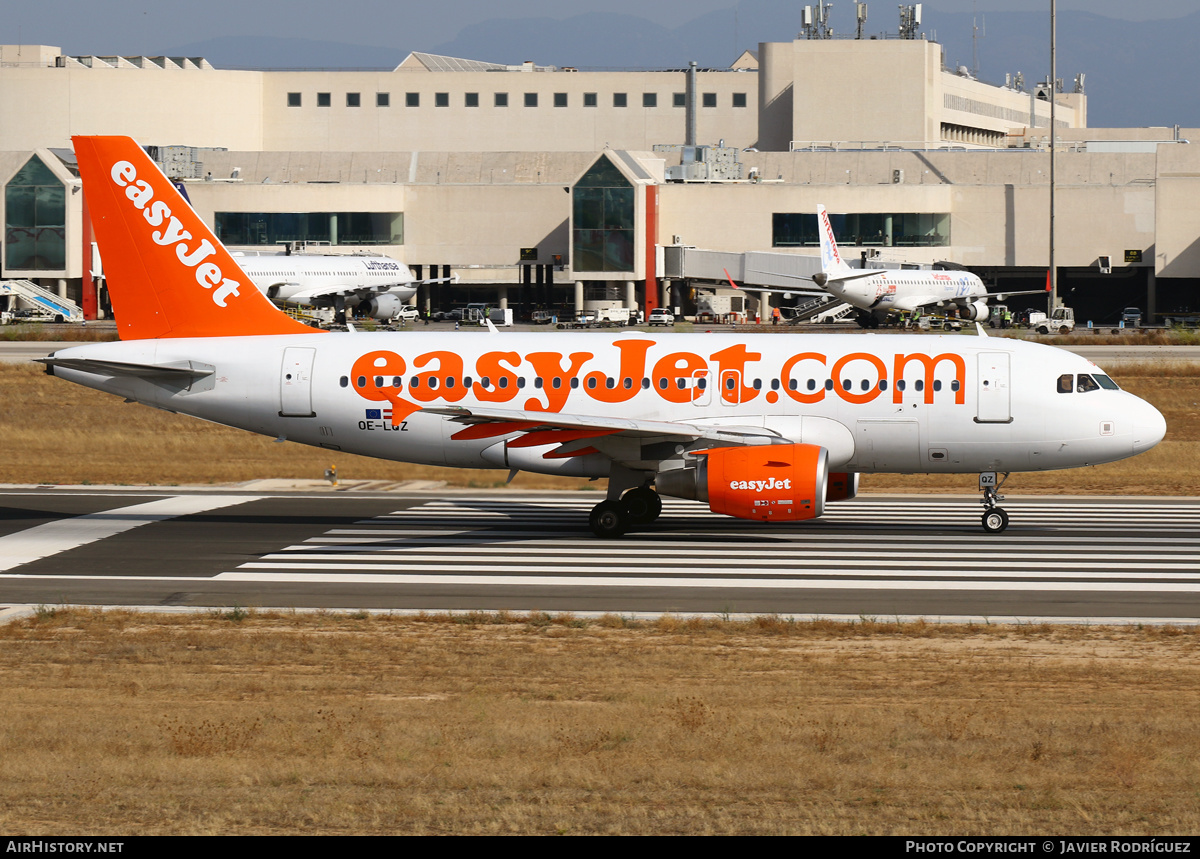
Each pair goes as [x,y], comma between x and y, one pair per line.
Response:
[545,542]
[50,538]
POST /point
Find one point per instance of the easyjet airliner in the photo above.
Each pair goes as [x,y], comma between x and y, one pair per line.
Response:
[767,427]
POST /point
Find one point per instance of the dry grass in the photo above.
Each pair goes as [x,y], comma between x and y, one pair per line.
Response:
[70,434]
[243,723]
[59,332]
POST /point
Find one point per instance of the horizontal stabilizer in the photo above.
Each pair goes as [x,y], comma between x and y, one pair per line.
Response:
[176,370]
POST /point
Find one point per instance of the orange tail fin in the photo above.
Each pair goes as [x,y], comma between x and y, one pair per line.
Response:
[168,275]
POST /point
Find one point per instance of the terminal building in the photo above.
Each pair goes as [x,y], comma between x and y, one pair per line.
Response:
[547,187]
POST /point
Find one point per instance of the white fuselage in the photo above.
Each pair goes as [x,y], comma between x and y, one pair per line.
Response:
[966,404]
[902,290]
[302,278]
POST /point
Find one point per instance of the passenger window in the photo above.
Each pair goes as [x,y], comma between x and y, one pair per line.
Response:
[1066,382]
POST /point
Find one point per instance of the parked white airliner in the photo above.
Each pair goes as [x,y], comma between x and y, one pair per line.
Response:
[767,427]
[877,293]
[340,281]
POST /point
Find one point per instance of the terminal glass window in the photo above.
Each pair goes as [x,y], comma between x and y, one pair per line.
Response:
[35,217]
[649,99]
[383,99]
[333,228]
[531,99]
[471,99]
[293,99]
[560,99]
[441,99]
[412,99]
[709,99]
[324,99]
[921,229]
[620,99]
[589,99]
[501,99]
[739,99]
[679,99]
[353,99]
[602,228]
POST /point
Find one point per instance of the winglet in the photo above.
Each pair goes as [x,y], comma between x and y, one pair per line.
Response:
[168,275]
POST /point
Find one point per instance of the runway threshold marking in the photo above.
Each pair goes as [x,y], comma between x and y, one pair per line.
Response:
[41,541]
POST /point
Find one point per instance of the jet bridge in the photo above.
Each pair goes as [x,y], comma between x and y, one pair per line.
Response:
[749,270]
[44,304]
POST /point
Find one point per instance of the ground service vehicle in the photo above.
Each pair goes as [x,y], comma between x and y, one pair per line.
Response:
[1061,321]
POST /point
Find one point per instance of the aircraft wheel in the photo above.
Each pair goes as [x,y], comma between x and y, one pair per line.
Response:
[642,504]
[995,520]
[609,519]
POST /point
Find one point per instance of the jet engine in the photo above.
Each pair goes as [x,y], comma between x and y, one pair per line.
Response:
[772,483]
[383,306]
[977,311]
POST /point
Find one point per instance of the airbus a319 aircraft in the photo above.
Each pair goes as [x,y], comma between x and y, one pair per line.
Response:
[764,427]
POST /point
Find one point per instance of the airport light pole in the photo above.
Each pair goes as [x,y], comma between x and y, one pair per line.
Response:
[1053,151]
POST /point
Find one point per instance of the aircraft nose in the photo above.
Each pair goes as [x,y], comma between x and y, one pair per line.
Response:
[1149,427]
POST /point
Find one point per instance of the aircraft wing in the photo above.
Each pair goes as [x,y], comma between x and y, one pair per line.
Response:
[818,280]
[332,293]
[578,434]
[1004,296]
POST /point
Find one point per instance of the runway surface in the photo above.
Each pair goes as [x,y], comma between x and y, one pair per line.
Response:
[879,556]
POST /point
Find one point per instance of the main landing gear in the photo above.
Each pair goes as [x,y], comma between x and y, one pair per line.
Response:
[638,506]
[995,519]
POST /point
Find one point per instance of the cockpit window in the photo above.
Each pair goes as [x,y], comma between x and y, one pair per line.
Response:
[1066,383]
[1086,383]
[1106,383]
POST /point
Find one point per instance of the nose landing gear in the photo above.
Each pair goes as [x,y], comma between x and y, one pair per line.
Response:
[995,519]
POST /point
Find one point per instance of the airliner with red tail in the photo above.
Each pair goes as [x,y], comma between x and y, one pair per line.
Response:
[768,427]
[881,292]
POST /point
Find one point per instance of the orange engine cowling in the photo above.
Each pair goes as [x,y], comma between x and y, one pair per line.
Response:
[842,486]
[773,483]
